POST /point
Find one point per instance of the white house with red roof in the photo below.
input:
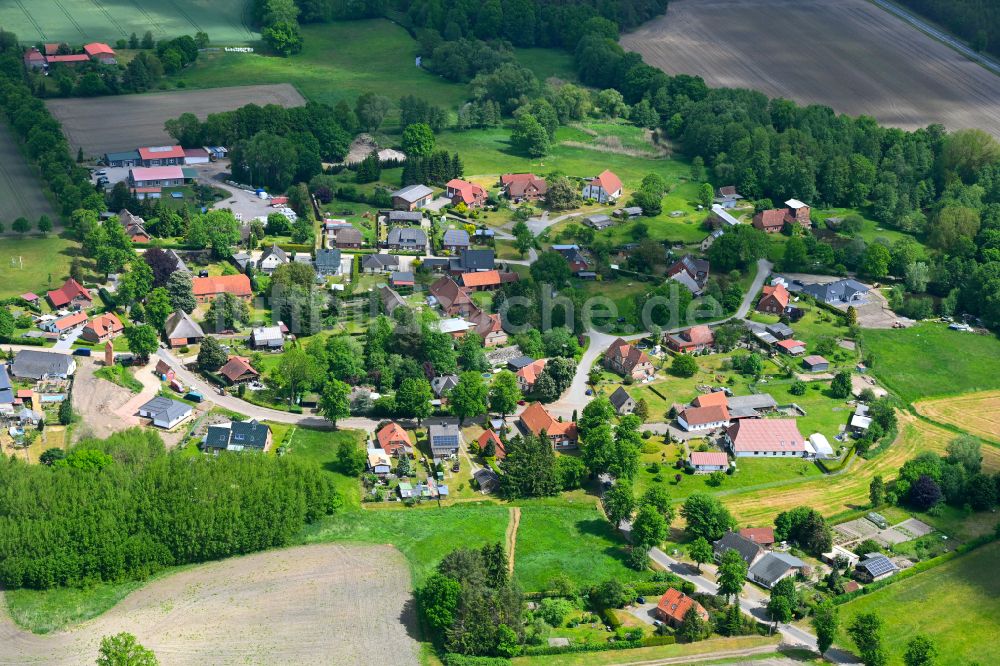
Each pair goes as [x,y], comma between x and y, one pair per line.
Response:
[711,417]
[158,156]
[765,438]
[100,52]
[462,191]
[706,462]
[71,294]
[605,188]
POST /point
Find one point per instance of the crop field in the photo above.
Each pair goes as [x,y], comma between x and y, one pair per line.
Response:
[956,604]
[849,55]
[20,189]
[107,124]
[977,413]
[929,360]
[81,21]
[280,607]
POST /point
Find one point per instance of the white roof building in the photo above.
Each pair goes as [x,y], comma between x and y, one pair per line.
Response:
[818,446]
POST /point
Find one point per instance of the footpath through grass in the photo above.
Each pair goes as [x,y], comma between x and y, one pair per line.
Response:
[929,360]
[957,604]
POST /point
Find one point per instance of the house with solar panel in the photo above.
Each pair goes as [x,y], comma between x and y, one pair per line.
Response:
[444,441]
[875,567]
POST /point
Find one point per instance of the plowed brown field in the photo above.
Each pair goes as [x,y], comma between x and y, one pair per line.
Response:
[325,604]
[849,55]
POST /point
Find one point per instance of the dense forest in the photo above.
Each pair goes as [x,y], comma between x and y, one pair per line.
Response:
[975,21]
[123,508]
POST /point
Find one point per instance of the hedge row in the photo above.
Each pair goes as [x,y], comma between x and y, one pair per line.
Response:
[651,641]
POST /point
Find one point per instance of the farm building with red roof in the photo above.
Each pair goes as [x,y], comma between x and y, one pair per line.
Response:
[71,294]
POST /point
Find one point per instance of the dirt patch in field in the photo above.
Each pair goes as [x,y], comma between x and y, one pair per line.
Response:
[95,401]
[323,604]
[125,122]
[849,55]
[976,413]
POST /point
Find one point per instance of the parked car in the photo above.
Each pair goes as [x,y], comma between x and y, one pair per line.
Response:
[101,172]
[81,351]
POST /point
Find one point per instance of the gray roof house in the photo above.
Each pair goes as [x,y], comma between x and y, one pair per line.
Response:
[181,327]
[405,238]
[267,337]
[749,550]
[780,331]
[444,440]
[771,568]
[164,412]
[379,263]
[841,292]
[404,217]
[472,261]
[455,239]
[30,364]
[443,383]
[180,266]
[237,436]
[243,260]
[487,479]
[412,197]
[622,401]
[598,222]
[750,406]
[390,299]
[327,262]
[273,257]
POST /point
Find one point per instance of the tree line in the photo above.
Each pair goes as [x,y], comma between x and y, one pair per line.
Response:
[124,508]
[975,21]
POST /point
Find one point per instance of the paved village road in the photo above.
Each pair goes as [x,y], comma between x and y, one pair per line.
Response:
[576,397]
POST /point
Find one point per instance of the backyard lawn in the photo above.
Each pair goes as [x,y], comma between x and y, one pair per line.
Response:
[320,446]
[556,538]
[957,604]
[930,360]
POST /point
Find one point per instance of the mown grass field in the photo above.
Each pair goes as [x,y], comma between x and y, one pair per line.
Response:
[929,360]
[653,654]
[81,21]
[560,539]
[957,604]
[977,413]
[33,263]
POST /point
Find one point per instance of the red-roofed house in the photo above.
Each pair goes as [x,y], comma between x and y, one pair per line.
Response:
[536,420]
[604,188]
[709,399]
[66,323]
[30,297]
[394,440]
[770,221]
[765,437]
[103,328]
[703,418]
[693,339]
[33,59]
[490,328]
[706,462]
[528,375]
[774,299]
[71,294]
[205,289]
[238,370]
[674,605]
[760,535]
[453,299]
[628,360]
[523,187]
[462,191]
[792,347]
[158,176]
[488,437]
[67,59]
[156,156]
[100,52]
[481,280]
